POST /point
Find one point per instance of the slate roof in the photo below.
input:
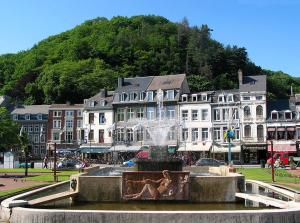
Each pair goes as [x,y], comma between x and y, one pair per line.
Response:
[31,109]
[278,105]
[167,82]
[137,84]
[254,83]
[65,106]
[108,97]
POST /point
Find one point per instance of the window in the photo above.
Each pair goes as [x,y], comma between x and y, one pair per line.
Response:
[102,119]
[120,114]
[69,113]
[237,134]
[235,113]
[69,136]
[184,97]
[221,98]
[150,113]
[171,134]
[120,134]
[185,134]
[184,115]
[91,135]
[130,113]
[79,123]
[271,133]
[247,131]
[140,113]
[217,116]
[195,134]
[194,97]
[122,97]
[139,134]
[217,134]
[224,133]
[260,133]
[203,97]
[259,97]
[170,94]
[39,116]
[149,95]
[91,118]
[79,113]
[56,124]
[230,98]
[204,114]
[281,133]
[43,149]
[129,135]
[42,138]
[298,133]
[204,134]
[132,96]
[30,128]
[247,112]
[15,117]
[92,103]
[27,117]
[195,115]
[288,115]
[25,128]
[259,111]
[102,103]
[56,113]
[36,128]
[55,136]
[43,128]
[69,124]
[141,96]
[246,98]
[225,114]
[36,150]
[171,112]
[274,115]
[36,138]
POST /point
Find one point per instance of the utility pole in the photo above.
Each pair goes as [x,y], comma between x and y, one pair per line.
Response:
[54,165]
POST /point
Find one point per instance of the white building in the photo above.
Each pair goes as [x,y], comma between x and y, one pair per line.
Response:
[195,118]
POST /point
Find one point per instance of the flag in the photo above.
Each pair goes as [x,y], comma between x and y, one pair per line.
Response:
[21,130]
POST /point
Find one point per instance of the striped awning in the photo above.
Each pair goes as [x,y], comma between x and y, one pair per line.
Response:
[195,147]
[93,149]
[124,148]
[225,149]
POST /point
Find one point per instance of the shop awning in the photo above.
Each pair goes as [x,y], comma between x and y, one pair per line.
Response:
[197,147]
[283,148]
[93,149]
[224,148]
[124,148]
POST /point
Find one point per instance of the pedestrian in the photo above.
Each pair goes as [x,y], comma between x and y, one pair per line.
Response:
[45,162]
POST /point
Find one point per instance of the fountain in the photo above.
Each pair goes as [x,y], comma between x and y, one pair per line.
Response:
[159,183]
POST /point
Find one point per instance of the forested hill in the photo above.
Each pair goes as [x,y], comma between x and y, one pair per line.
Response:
[77,63]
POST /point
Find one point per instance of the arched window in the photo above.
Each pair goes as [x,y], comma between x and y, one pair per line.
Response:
[259,111]
[247,131]
[247,112]
[260,132]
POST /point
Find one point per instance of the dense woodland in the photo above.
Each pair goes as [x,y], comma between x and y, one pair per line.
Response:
[77,63]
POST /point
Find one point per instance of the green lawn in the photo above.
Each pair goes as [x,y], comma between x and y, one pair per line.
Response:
[282,177]
[22,170]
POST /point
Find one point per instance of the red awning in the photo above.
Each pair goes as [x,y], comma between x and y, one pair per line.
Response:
[271,129]
[142,154]
[282,148]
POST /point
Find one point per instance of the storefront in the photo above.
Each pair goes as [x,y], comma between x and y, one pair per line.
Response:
[95,154]
[194,151]
[121,153]
[253,154]
[220,152]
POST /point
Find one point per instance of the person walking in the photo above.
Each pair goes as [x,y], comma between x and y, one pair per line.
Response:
[45,162]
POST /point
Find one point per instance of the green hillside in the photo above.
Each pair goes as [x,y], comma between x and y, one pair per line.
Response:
[75,64]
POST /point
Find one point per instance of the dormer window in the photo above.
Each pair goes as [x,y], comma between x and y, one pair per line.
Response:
[221,98]
[203,97]
[288,115]
[170,94]
[122,97]
[184,97]
[39,116]
[141,96]
[15,117]
[246,98]
[132,96]
[230,98]
[274,115]
[92,104]
[194,97]
[150,95]
[102,103]
[27,117]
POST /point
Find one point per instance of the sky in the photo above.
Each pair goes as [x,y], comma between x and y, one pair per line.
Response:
[268,29]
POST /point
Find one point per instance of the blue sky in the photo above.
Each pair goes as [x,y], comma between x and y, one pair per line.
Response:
[268,29]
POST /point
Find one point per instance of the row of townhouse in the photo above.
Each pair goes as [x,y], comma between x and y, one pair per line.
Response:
[105,125]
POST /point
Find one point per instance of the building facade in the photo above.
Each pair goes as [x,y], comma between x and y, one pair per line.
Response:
[33,119]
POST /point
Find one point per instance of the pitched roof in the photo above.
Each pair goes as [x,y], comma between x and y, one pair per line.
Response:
[278,105]
[167,82]
[134,84]
[31,109]
[254,83]
[65,106]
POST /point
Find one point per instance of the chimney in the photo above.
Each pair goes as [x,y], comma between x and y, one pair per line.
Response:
[240,75]
[103,93]
[120,81]
[68,103]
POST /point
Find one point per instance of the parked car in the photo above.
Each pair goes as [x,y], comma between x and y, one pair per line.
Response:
[209,162]
[22,165]
[70,164]
[130,163]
